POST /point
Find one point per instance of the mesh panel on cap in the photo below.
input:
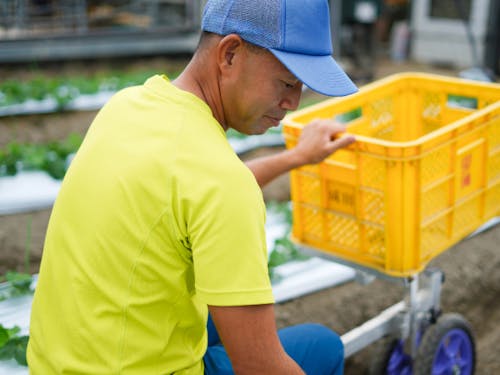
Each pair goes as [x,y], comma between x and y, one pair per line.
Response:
[257,21]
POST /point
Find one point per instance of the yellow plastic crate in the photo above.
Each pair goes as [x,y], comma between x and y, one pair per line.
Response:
[423,173]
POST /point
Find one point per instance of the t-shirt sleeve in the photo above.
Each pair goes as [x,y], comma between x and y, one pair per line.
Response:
[228,242]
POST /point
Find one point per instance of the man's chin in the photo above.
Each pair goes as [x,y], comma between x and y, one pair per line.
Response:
[255,129]
[260,130]
[264,126]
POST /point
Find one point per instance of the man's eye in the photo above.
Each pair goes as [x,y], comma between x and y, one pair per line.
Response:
[288,85]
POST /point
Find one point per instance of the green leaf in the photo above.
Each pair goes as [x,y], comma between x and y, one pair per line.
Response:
[7,351]
[284,251]
[50,157]
[33,157]
[18,279]
[276,258]
[56,168]
[13,331]
[21,344]
[13,346]
[4,336]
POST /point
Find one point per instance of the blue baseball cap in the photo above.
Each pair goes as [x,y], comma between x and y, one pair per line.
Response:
[297,32]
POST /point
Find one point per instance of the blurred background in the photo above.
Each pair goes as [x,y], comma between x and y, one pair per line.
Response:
[458,33]
[60,61]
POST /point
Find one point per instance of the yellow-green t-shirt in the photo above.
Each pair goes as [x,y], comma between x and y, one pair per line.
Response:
[156,218]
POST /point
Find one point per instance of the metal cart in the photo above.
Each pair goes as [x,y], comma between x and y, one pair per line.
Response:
[416,336]
[423,174]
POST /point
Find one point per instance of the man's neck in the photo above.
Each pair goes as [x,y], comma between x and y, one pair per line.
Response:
[201,80]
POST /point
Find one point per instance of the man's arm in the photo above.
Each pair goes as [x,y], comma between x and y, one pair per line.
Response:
[318,140]
[250,338]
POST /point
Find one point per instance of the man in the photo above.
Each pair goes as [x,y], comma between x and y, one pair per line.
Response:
[158,222]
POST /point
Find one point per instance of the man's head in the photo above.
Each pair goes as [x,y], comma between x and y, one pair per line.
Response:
[296,32]
[251,89]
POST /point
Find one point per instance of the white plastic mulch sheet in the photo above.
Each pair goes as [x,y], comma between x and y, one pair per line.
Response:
[81,103]
[27,191]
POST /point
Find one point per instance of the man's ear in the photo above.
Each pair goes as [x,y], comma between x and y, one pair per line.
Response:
[228,50]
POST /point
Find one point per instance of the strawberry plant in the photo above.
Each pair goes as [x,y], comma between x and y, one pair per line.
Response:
[13,345]
[284,250]
[18,284]
[65,89]
[49,157]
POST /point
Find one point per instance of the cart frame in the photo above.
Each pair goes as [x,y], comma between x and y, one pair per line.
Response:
[419,307]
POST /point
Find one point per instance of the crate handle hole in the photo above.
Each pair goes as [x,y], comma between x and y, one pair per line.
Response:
[349,116]
[459,101]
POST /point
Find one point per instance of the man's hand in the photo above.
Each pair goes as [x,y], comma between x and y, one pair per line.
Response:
[319,139]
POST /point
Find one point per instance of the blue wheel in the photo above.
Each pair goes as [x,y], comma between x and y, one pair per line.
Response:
[447,348]
[390,358]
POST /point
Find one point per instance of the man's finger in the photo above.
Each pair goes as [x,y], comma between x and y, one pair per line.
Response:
[343,140]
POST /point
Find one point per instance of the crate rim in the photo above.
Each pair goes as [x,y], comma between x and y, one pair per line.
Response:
[289,120]
[416,142]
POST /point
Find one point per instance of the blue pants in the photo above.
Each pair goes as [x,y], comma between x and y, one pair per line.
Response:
[316,349]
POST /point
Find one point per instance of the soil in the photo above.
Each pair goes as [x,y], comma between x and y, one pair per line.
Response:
[472,286]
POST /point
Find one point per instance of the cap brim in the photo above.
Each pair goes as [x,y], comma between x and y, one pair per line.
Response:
[320,73]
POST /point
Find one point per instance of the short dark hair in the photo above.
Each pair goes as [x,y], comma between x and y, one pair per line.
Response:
[204,37]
